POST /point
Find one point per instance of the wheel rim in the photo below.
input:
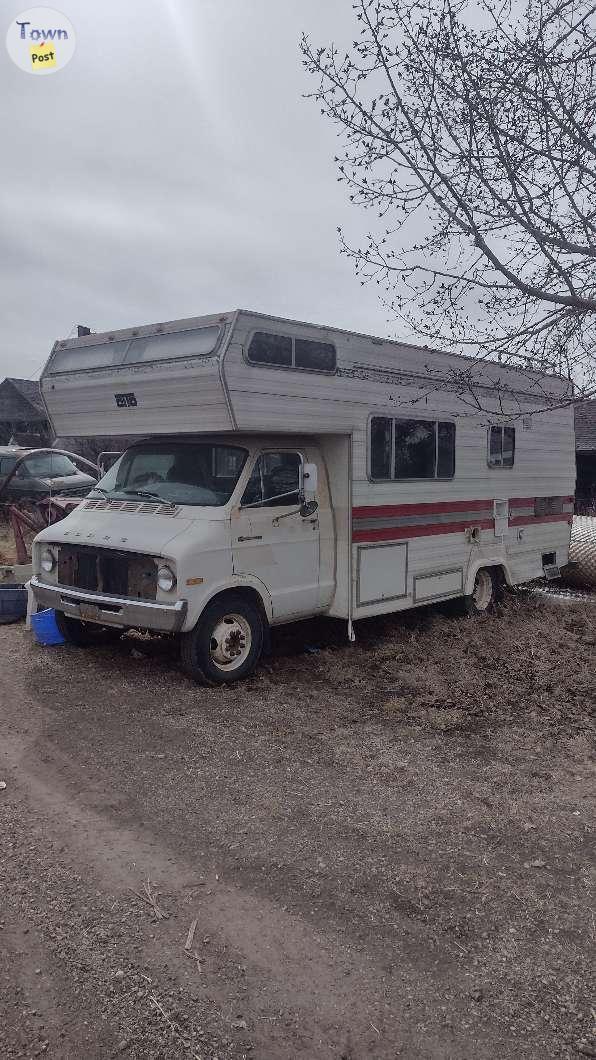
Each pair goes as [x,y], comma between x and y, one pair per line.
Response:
[230,642]
[483,590]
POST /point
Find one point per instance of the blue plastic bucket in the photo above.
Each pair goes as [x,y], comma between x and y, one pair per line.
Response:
[45,628]
[13,602]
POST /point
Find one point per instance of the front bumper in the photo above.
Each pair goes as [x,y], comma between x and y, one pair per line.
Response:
[110,610]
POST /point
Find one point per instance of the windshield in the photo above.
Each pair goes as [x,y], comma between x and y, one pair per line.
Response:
[177,472]
[49,465]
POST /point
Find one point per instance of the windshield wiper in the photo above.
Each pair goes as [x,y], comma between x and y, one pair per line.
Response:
[148,493]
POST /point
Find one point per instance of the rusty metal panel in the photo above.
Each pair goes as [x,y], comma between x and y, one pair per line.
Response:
[108,571]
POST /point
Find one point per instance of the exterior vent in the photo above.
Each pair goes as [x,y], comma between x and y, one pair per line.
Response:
[132,507]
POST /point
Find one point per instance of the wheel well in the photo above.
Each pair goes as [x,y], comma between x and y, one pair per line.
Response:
[498,571]
[248,593]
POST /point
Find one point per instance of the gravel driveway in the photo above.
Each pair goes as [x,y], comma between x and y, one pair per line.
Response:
[385,848]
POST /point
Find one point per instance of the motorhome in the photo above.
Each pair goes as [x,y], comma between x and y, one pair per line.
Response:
[285,470]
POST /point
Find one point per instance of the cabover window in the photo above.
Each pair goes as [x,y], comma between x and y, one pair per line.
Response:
[283,351]
[166,346]
[501,446]
[408,449]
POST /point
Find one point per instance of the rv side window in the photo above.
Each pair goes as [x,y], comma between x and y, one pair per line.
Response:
[446,450]
[274,482]
[270,349]
[501,446]
[415,449]
[411,449]
[380,447]
[282,351]
[318,356]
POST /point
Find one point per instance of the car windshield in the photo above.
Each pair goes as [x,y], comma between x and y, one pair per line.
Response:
[49,465]
[177,472]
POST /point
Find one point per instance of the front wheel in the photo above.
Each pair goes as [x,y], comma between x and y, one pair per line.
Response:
[226,643]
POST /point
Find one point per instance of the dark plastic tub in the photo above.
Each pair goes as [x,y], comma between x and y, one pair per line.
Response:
[13,602]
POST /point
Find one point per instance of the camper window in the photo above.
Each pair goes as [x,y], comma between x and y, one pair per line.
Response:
[380,447]
[317,356]
[501,446]
[80,358]
[281,351]
[270,349]
[167,346]
[197,342]
[411,449]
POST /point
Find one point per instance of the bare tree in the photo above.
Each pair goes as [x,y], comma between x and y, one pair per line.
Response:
[469,130]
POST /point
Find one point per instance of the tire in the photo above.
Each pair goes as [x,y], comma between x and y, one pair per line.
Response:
[485,594]
[226,643]
[85,634]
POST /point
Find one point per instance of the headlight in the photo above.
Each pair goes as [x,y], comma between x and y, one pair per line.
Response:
[166,579]
[47,560]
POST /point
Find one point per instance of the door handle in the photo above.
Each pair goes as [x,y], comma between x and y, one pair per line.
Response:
[254,537]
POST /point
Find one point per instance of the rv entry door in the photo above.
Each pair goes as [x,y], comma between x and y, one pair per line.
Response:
[282,552]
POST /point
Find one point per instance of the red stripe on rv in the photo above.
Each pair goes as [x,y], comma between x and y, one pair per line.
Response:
[393,533]
[437,508]
[525,520]
[374,511]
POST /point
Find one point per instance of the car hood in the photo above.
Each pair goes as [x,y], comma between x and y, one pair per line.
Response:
[126,531]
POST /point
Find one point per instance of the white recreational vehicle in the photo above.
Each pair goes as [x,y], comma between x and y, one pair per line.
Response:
[285,470]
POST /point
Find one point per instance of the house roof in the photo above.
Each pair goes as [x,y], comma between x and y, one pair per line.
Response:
[30,390]
[585,427]
[20,398]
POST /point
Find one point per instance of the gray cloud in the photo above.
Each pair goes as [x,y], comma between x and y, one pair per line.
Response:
[172,169]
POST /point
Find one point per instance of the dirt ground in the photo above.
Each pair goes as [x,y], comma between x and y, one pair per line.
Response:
[386,848]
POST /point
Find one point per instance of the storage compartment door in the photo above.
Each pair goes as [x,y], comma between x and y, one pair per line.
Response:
[381,573]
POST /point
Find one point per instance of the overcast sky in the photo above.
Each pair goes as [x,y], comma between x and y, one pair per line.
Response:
[172,169]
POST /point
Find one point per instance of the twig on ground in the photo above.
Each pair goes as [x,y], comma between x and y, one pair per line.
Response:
[191,935]
[150,898]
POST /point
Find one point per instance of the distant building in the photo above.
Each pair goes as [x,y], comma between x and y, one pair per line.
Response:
[585,453]
[23,417]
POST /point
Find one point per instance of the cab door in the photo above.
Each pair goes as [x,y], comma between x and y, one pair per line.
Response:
[272,541]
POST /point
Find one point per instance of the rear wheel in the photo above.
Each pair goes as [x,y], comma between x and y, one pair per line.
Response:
[85,634]
[226,643]
[485,593]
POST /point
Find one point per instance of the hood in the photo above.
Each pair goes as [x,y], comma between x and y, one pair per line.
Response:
[126,531]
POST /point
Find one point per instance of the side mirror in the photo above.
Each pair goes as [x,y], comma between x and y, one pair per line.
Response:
[309,477]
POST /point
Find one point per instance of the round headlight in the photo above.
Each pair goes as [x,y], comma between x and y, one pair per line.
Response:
[47,560]
[166,579]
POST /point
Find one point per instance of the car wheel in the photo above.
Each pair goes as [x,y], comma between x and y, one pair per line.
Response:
[226,643]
